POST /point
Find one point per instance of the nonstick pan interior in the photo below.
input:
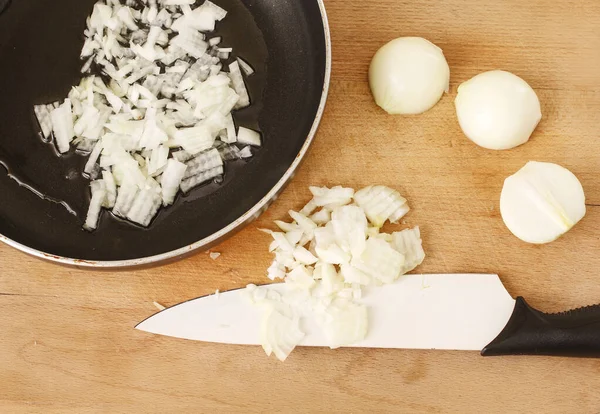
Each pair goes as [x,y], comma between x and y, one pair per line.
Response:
[40,41]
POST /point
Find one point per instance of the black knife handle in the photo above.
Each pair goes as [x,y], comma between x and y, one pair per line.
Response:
[575,333]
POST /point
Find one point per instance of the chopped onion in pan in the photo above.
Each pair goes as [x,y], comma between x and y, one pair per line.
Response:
[249,137]
[111,189]
[146,204]
[245,66]
[125,198]
[154,110]
[192,182]
[43,115]
[98,197]
[171,180]
[62,125]
[238,84]
[246,152]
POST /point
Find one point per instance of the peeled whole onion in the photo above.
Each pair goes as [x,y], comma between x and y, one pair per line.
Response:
[497,110]
[409,75]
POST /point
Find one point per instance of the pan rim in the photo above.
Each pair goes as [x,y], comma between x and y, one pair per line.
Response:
[239,223]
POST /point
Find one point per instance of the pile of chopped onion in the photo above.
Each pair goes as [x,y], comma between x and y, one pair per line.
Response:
[327,254]
[154,114]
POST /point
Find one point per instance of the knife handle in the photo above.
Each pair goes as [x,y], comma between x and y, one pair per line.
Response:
[575,333]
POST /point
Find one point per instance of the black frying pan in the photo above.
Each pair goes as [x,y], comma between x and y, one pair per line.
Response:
[287,41]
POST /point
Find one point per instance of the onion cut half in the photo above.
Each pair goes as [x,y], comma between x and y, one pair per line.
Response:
[541,202]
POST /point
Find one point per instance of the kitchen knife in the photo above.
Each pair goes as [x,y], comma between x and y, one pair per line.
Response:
[452,311]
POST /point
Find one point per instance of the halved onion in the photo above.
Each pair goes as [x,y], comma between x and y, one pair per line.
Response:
[497,110]
[541,202]
[408,75]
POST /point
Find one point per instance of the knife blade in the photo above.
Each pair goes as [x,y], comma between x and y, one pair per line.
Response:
[452,311]
[440,311]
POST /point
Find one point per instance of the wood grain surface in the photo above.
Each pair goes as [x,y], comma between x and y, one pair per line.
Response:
[67,343]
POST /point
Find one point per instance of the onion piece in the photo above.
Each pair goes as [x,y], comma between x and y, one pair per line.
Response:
[280,334]
[352,274]
[300,278]
[126,16]
[196,180]
[87,65]
[229,152]
[218,12]
[287,227]
[182,156]
[349,225]
[202,19]
[381,203]
[276,271]
[88,120]
[333,254]
[158,160]
[93,158]
[343,322]
[191,41]
[246,152]
[245,66]
[331,197]
[203,162]
[239,86]
[294,237]
[248,137]
[171,180]
[331,281]
[409,244]
[62,125]
[43,116]
[194,140]
[125,197]
[146,204]
[380,261]
[304,256]
[231,135]
[111,189]
[321,217]
[281,242]
[98,199]
[306,224]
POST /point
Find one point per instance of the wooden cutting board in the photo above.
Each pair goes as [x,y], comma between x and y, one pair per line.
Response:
[67,342]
